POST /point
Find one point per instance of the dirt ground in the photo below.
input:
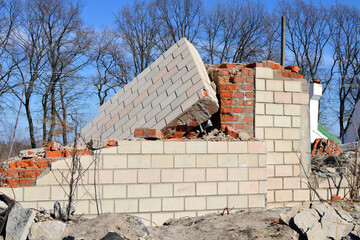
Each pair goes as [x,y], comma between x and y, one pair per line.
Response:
[247,224]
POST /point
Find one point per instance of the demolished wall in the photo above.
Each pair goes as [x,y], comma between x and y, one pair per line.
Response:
[172,178]
[174,91]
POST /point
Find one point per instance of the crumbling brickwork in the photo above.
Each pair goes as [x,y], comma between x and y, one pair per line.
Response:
[235,90]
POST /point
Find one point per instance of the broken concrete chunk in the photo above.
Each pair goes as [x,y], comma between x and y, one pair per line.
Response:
[19,222]
[112,236]
[173,91]
[316,233]
[49,230]
[98,144]
[306,219]
[334,226]
[286,217]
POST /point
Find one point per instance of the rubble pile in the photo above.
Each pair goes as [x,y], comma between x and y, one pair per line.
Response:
[319,221]
[19,223]
[325,146]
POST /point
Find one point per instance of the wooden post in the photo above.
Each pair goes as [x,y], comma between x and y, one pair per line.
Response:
[283,25]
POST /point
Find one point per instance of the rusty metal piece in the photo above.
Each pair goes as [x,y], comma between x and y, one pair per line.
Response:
[227,210]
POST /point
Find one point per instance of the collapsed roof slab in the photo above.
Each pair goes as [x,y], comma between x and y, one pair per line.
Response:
[173,91]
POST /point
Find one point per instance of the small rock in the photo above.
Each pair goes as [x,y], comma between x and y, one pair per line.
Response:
[334,226]
[244,136]
[112,236]
[19,222]
[3,207]
[49,230]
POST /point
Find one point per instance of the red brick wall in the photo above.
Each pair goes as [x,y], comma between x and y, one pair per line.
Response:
[235,90]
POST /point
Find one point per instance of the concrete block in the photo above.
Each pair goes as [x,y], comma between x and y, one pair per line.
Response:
[150,205]
[195,203]
[227,160]
[185,161]
[162,161]
[259,84]
[173,204]
[264,97]
[126,205]
[19,222]
[216,202]
[256,201]
[139,161]
[282,121]
[206,188]
[184,189]
[275,85]
[138,191]
[217,147]
[264,121]
[161,190]
[292,86]
[206,160]
[228,188]
[152,147]
[194,175]
[172,175]
[216,174]
[238,202]
[292,109]
[274,109]
[174,147]
[266,73]
[237,174]
[114,191]
[273,133]
[196,147]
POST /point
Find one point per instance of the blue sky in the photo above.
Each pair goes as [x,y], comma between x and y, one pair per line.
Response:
[101,12]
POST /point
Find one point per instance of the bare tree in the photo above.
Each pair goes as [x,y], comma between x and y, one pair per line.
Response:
[177,19]
[112,67]
[235,31]
[345,43]
[136,25]
[67,42]
[308,33]
[9,16]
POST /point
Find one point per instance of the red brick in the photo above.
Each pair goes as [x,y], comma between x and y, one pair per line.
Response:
[249,110]
[223,79]
[14,164]
[239,95]
[293,68]
[238,79]
[228,118]
[247,87]
[178,134]
[27,164]
[10,172]
[249,80]
[42,163]
[26,182]
[239,126]
[274,65]
[248,72]
[228,65]
[249,94]
[228,87]
[30,173]
[57,154]
[226,94]
[11,183]
[54,146]
[80,152]
[248,103]
[231,132]
[227,102]
[225,110]
[238,109]
[139,132]
[248,119]
[111,143]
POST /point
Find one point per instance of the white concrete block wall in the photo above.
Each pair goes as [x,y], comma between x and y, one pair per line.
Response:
[161,179]
[282,121]
[156,97]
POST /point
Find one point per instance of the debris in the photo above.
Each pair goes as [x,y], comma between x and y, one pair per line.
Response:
[293,68]
[325,146]
[112,236]
[49,230]
[320,221]
[19,222]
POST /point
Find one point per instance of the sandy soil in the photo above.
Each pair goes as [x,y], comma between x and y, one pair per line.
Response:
[249,224]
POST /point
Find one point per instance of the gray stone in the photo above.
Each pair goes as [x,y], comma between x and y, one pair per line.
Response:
[334,226]
[306,219]
[49,230]
[316,233]
[112,236]
[19,222]
[3,207]
[286,217]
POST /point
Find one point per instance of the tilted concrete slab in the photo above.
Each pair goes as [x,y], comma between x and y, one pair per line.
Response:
[173,91]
